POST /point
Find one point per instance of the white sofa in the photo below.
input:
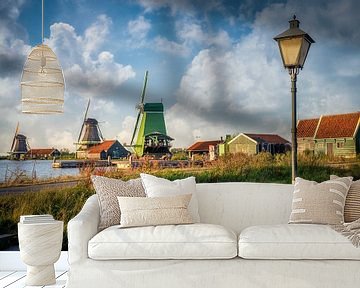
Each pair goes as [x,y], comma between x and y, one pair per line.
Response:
[253,219]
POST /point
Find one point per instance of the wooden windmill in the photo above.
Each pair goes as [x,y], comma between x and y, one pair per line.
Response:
[19,146]
[152,138]
[90,134]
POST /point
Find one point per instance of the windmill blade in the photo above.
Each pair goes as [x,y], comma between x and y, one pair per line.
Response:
[27,144]
[16,132]
[17,129]
[144,87]
[13,143]
[136,125]
[100,134]
[85,116]
[82,127]
[87,109]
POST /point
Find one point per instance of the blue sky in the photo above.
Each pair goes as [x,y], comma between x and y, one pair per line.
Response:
[213,63]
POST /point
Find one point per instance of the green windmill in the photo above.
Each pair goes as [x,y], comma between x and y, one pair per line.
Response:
[152,138]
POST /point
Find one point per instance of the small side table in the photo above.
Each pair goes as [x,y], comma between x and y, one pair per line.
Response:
[40,247]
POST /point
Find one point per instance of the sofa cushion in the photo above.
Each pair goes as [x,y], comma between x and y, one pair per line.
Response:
[300,241]
[192,241]
[145,211]
[160,187]
[107,189]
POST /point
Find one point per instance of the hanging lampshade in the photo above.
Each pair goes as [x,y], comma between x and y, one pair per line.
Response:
[42,81]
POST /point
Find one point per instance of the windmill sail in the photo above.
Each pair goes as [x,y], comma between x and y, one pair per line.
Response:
[83,124]
[14,139]
[144,87]
[140,106]
[135,129]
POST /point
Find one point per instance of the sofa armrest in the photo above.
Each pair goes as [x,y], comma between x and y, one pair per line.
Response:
[82,228]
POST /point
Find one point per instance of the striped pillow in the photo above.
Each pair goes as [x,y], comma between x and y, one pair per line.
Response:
[320,203]
[352,202]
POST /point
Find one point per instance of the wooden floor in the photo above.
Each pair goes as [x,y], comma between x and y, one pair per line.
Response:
[16,279]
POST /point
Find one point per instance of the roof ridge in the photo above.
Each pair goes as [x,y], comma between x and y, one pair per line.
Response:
[343,114]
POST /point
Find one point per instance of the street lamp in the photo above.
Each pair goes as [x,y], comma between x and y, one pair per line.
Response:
[294,45]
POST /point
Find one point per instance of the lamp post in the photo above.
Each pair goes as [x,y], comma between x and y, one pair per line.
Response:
[294,45]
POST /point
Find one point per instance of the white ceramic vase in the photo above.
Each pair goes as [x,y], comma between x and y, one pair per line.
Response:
[40,247]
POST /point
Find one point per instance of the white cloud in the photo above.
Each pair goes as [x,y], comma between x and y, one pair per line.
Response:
[139,28]
[190,37]
[60,139]
[165,45]
[191,32]
[127,129]
[95,35]
[226,91]
[242,78]
[187,127]
[175,6]
[89,71]
[184,6]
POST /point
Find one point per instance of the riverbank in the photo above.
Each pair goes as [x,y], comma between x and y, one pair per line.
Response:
[40,186]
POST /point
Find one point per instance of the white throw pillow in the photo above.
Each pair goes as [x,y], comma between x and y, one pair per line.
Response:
[160,187]
[152,211]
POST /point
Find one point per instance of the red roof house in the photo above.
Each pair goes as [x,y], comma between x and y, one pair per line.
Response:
[42,153]
[202,147]
[333,135]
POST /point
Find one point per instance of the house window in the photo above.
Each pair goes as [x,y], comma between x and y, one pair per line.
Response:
[339,144]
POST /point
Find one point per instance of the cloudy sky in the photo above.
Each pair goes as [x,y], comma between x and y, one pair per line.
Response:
[213,63]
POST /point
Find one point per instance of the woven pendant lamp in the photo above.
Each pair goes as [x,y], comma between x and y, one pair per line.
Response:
[42,80]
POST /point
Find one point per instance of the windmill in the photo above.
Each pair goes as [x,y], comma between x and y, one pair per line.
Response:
[152,138]
[19,146]
[90,134]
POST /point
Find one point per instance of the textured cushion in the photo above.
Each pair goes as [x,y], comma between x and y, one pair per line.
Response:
[159,187]
[107,190]
[144,211]
[192,241]
[352,202]
[321,203]
[301,241]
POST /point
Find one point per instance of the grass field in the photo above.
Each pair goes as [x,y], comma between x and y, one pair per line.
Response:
[64,204]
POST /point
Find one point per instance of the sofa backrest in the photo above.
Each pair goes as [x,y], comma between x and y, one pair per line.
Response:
[239,205]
